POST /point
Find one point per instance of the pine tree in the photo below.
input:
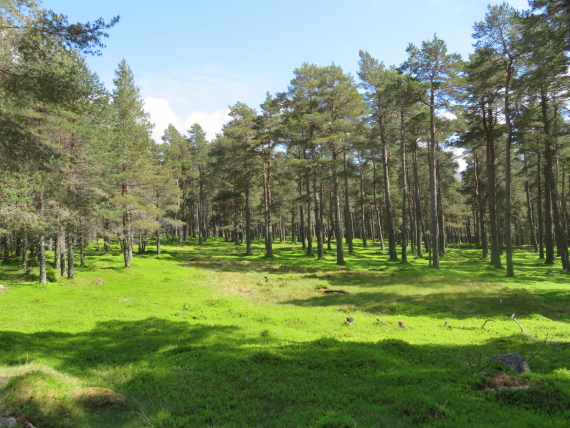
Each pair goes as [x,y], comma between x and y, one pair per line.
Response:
[437,69]
[130,148]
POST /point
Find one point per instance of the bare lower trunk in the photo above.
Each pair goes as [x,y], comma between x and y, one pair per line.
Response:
[347,213]
[70,266]
[337,216]
[318,216]
[393,254]
[42,259]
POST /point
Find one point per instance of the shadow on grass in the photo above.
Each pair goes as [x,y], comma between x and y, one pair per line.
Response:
[460,305]
[184,374]
[458,263]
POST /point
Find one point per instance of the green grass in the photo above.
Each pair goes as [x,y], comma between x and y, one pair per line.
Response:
[198,337]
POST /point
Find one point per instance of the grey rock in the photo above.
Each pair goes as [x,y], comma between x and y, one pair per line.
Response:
[11,419]
[513,360]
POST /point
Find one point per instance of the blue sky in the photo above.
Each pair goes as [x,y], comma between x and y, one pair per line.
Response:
[192,59]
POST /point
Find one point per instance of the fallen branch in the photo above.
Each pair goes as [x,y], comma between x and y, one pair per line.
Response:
[337,291]
[519,324]
[486,323]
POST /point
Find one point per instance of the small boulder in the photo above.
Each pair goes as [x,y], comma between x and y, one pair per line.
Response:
[11,419]
[3,289]
[98,398]
[514,360]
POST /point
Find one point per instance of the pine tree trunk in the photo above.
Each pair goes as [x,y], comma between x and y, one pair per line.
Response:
[417,202]
[539,210]
[529,210]
[302,227]
[377,209]
[337,214]
[362,210]
[57,253]
[309,221]
[25,251]
[490,161]
[347,214]
[318,211]
[392,251]
[507,228]
[550,182]
[404,173]
[440,216]
[70,266]
[481,209]
[248,250]
[62,249]
[267,207]
[434,227]
[42,259]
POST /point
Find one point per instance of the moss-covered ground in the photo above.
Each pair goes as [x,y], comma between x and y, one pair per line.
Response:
[205,336]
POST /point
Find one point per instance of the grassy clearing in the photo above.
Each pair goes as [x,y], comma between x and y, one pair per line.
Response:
[200,337]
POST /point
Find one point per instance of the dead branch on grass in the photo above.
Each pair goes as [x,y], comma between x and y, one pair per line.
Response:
[513,317]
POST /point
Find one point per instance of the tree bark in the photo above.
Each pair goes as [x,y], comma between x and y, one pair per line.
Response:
[404,191]
[70,265]
[318,215]
[434,226]
[392,251]
[490,161]
[550,182]
[337,214]
[347,213]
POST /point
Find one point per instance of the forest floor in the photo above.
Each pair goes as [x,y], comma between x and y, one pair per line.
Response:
[206,336]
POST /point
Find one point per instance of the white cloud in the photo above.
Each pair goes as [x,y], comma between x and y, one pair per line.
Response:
[447,115]
[161,114]
[459,154]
